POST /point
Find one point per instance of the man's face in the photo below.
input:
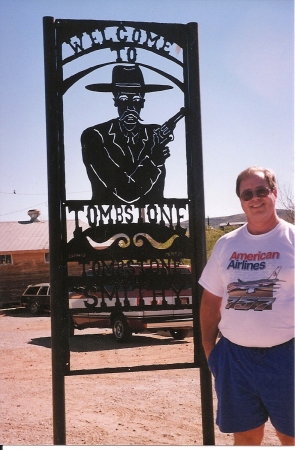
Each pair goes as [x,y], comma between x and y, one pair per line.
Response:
[129,106]
[260,210]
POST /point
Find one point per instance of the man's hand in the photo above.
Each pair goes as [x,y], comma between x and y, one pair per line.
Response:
[160,155]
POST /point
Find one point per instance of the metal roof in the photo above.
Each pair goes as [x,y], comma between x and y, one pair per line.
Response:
[25,236]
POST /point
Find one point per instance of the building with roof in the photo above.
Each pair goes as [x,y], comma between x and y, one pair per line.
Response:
[24,255]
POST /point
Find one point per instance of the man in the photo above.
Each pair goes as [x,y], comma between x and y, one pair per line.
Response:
[123,158]
[249,298]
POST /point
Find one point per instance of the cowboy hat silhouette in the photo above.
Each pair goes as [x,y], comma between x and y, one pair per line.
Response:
[127,78]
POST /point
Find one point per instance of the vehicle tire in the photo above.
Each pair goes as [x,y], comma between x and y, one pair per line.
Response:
[178,334]
[121,329]
[34,308]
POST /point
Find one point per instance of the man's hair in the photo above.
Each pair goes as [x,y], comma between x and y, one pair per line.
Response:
[269,176]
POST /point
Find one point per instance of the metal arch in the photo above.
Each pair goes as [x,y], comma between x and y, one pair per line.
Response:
[90,26]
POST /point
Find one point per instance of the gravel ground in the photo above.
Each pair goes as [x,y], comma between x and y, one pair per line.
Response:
[141,408]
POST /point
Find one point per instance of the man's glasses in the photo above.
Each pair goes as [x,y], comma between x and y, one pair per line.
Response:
[259,192]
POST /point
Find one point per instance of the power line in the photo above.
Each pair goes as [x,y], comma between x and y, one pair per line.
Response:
[20,210]
[26,209]
[18,193]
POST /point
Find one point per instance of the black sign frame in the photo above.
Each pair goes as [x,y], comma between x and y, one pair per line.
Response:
[185,36]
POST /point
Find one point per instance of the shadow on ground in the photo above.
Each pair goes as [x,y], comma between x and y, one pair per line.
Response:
[101,342]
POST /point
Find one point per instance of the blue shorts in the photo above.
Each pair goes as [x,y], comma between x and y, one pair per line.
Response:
[253,384]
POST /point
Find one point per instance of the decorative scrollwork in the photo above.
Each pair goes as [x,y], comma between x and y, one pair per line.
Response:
[139,239]
[127,241]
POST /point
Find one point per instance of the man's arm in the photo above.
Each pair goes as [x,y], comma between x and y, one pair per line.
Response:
[210,318]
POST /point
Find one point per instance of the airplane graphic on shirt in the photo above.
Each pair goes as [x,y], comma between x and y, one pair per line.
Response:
[263,284]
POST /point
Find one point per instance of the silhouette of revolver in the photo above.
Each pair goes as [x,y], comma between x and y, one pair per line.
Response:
[165,132]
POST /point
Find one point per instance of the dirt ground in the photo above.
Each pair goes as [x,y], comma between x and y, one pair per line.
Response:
[141,408]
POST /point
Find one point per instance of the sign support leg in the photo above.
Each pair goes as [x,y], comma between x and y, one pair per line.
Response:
[57,269]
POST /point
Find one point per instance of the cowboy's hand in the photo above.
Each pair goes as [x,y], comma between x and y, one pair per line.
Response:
[160,155]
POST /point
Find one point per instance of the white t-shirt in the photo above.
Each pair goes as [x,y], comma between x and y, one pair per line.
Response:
[254,275]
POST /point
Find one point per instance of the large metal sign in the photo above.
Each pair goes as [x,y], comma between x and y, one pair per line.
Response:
[145,215]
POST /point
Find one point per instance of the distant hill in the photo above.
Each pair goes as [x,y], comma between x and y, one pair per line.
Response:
[216,221]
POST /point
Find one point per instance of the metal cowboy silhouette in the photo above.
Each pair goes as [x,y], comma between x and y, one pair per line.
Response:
[124,159]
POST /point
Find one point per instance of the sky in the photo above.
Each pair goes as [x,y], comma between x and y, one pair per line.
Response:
[246,51]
